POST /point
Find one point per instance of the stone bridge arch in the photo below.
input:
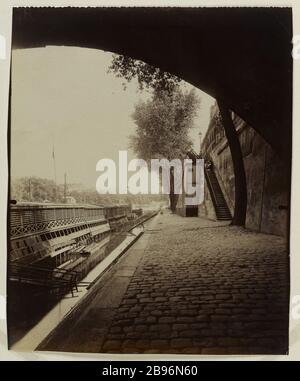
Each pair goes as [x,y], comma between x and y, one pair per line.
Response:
[241,56]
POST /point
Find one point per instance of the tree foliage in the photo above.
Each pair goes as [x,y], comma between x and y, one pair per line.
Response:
[162,128]
[163,125]
[148,77]
[36,189]
[164,122]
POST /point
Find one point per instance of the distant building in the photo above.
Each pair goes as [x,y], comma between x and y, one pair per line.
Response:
[70,200]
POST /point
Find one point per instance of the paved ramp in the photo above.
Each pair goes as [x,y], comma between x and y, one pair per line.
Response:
[189,285]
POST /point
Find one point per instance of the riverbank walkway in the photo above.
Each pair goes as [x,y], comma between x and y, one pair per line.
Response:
[189,285]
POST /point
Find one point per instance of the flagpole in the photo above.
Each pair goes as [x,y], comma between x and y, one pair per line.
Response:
[54,165]
[65,189]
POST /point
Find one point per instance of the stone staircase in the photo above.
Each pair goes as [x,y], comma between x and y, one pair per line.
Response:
[221,208]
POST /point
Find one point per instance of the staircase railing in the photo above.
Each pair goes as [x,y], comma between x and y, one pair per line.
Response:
[223,188]
[209,172]
[211,188]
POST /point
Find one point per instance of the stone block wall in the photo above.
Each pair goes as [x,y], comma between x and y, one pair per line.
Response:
[267,179]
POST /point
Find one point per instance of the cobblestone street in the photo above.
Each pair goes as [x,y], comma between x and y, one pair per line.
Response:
[189,285]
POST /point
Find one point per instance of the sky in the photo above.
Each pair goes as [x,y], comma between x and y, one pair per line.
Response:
[63,97]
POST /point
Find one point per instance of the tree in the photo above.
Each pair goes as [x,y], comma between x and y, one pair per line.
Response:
[164,122]
[148,77]
[157,80]
[36,189]
[162,128]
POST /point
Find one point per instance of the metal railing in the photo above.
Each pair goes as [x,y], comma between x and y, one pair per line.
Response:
[45,226]
[59,280]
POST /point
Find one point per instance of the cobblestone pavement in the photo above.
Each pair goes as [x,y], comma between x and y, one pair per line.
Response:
[197,287]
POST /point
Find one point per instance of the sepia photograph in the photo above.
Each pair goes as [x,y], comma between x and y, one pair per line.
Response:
[150,154]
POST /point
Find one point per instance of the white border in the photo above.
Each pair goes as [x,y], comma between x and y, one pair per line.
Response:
[5,30]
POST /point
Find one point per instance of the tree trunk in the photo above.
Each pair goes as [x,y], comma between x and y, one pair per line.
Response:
[240,202]
[173,202]
[172,196]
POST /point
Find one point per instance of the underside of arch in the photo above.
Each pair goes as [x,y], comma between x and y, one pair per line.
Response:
[241,56]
